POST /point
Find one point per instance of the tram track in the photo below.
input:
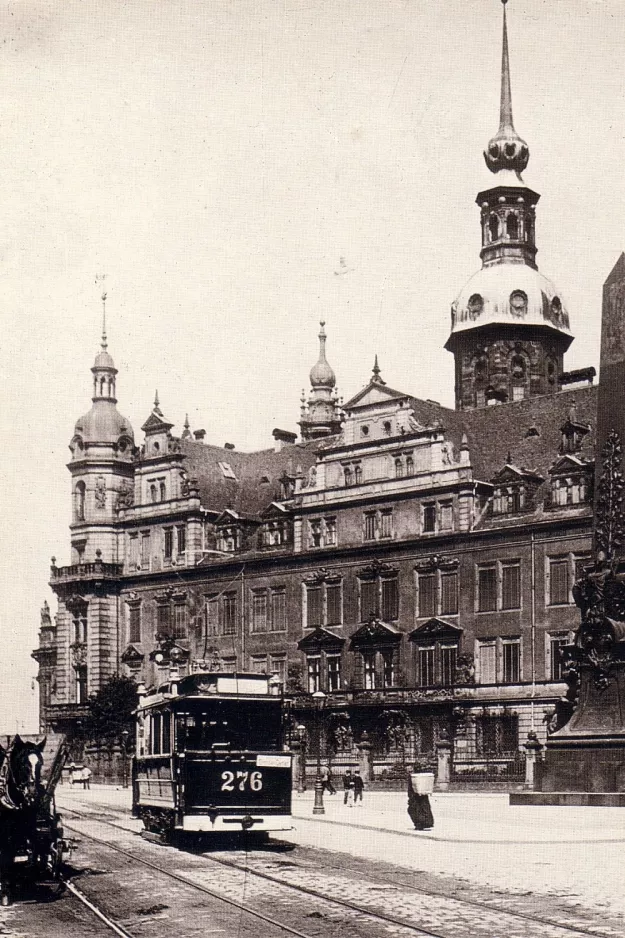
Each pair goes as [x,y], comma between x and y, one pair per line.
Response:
[548,926]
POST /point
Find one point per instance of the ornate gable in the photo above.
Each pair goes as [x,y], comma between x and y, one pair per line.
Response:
[321,639]
[375,633]
[511,474]
[435,630]
[133,655]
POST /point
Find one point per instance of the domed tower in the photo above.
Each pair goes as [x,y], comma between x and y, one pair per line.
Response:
[509,324]
[101,466]
[321,416]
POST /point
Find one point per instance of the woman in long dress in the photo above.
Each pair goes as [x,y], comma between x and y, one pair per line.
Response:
[419,809]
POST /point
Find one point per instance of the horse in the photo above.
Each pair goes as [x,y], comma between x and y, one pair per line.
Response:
[21,792]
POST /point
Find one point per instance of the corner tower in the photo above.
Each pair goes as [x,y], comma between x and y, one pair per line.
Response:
[509,325]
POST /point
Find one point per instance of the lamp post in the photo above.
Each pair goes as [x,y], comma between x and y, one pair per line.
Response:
[301,737]
[125,735]
[319,698]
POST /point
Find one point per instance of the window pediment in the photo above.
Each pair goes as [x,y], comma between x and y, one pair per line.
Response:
[435,562]
[321,639]
[435,629]
[133,654]
[375,633]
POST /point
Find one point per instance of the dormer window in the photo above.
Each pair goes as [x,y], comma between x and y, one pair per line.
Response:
[509,499]
[229,538]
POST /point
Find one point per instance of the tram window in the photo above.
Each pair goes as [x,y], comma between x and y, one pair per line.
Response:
[156,734]
[230,725]
[166,733]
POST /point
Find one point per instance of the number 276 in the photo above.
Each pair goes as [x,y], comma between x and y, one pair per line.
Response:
[230,781]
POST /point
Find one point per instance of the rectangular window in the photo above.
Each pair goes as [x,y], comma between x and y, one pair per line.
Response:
[259,664]
[447,516]
[181,535]
[145,551]
[314,674]
[330,536]
[427,594]
[277,665]
[390,600]
[449,654]
[389,676]
[168,549]
[386,524]
[230,613]
[315,533]
[556,644]
[370,526]
[157,720]
[334,610]
[334,672]
[314,607]
[487,660]
[259,610]
[368,599]
[449,594]
[511,662]
[180,620]
[369,669]
[558,581]
[487,589]
[211,615]
[134,622]
[133,551]
[426,667]
[278,610]
[511,585]
[163,619]
[429,518]
[166,733]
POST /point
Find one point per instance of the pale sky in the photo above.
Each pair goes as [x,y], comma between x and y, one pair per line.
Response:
[216,160]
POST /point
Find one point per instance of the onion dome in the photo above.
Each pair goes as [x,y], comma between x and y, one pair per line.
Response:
[321,375]
[506,150]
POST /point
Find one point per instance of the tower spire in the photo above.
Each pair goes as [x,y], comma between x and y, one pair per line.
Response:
[104,343]
[506,150]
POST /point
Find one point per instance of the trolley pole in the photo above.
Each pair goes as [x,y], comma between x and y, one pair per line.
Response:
[319,698]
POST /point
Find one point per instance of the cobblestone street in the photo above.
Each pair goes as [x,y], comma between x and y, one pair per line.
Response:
[485,870]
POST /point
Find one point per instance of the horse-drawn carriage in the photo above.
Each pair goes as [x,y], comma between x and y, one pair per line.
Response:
[31,833]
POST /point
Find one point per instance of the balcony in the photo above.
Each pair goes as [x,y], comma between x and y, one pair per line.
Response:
[85,571]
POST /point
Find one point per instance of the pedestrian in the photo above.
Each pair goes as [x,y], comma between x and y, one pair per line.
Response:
[359,785]
[85,777]
[419,809]
[326,780]
[348,788]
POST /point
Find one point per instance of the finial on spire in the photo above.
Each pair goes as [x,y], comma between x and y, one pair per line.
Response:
[186,433]
[377,378]
[104,342]
[506,150]
[157,403]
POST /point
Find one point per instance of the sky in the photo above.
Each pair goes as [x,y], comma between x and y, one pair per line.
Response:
[239,170]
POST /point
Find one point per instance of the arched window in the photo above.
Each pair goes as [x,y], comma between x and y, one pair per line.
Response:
[348,475]
[102,385]
[153,493]
[518,377]
[399,468]
[163,492]
[512,227]
[409,466]
[493,227]
[81,491]
[358,475]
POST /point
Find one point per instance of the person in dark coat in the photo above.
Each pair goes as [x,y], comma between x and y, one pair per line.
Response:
[419,809]
[358,786]
[348,788]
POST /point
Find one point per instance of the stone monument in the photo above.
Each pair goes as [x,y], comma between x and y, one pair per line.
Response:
[584,760]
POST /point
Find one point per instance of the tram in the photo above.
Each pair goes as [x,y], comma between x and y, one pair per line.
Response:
[209,757]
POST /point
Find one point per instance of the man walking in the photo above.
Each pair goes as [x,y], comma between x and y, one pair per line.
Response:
[358,786]
[326,780]
[348,788]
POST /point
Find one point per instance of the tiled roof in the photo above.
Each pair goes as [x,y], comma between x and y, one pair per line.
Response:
[256,481]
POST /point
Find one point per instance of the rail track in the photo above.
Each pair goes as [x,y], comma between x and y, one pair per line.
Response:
[505,916]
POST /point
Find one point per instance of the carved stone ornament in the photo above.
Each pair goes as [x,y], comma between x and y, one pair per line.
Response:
[600,593]
[100,492]
[125,497]
[79,654]
[377,568]
[435,562]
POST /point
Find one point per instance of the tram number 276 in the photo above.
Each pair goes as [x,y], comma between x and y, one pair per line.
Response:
[241,780]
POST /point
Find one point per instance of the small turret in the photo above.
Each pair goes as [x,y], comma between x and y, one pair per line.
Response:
[320,416]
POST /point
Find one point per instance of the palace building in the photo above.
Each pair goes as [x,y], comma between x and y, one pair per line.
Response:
[414,562]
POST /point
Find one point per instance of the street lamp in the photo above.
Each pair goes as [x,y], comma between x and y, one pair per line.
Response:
[319,699]
[301,736]
[125,735]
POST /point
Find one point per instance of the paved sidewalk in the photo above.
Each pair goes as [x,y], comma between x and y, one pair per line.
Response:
[575,854]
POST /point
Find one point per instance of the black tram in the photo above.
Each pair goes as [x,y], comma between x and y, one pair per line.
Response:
[209,756]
